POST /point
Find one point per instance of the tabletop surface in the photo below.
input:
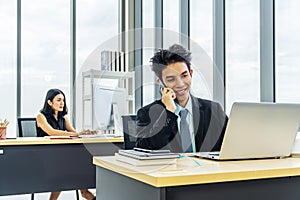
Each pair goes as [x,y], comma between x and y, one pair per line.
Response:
[42,140]
[187,172]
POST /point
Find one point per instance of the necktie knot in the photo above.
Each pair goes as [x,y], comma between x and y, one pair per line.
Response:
[183,113]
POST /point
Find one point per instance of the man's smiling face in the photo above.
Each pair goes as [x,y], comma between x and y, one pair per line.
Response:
[178,77]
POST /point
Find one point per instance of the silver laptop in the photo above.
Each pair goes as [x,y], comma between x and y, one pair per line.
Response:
[258,130]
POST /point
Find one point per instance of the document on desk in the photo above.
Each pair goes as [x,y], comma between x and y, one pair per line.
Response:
[99,136]
[59,137]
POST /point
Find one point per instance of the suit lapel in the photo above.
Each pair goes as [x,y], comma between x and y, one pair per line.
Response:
[198,114]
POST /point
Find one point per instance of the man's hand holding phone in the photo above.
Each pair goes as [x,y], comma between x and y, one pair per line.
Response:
[168,97]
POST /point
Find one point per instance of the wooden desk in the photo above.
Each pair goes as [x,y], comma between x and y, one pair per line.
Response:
[31,165]
[249,179]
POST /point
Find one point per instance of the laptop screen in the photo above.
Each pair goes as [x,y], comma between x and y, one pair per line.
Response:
[260,130]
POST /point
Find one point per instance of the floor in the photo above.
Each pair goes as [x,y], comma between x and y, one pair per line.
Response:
[65,195]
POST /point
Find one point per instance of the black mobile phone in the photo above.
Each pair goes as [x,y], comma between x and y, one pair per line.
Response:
[161,86]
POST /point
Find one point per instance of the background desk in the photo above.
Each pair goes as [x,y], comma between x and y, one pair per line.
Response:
[252,179]
[30,165]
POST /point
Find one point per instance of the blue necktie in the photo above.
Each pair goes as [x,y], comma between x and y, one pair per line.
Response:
[186,141]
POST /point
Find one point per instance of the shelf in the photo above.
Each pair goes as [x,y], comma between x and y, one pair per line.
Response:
[108,74]
[90,78]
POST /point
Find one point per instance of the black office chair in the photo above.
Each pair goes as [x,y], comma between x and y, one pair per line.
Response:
[27,128]
[129,131]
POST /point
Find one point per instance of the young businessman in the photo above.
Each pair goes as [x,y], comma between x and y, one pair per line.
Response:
[179,121]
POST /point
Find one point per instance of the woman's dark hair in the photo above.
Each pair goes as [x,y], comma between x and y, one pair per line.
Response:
[175,53]
[47,110]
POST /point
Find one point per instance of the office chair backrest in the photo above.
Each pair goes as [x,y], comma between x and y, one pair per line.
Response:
[129,131]
[27,127]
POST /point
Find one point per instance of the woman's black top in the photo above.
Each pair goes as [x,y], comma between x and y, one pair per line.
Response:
[59,124]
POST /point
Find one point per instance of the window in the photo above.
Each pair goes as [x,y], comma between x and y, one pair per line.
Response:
[149,79]
[45,52]
[96,31]
[201,45]
[170,22]
[287,49]
[201,24]
[8,76]
[97,25]
[242,51]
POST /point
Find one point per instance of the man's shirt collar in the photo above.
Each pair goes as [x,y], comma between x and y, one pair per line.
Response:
[188,107]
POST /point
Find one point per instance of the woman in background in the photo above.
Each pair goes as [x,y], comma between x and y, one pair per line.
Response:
[52,120]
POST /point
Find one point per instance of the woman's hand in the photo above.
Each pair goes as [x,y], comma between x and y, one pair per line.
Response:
[88,132]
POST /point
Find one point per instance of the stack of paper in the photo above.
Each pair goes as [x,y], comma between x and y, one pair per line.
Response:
[143,157]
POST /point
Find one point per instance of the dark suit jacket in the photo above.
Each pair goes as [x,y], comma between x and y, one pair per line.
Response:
[157,127]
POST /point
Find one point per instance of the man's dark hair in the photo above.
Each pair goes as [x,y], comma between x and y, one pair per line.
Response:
[164,57]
